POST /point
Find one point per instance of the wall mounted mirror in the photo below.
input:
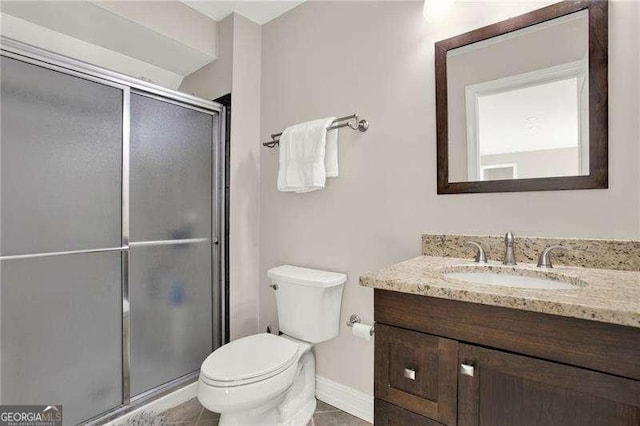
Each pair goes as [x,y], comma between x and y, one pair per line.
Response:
[522,104]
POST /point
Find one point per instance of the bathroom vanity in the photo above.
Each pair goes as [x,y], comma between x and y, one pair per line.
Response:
[452,352]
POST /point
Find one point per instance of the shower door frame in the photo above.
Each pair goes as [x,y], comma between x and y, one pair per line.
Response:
[56,62]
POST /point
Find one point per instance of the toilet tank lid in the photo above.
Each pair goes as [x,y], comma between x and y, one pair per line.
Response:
[306,276]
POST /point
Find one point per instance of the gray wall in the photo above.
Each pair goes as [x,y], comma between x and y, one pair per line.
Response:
[214,80]
[245,179]
[376,58]
[238,71]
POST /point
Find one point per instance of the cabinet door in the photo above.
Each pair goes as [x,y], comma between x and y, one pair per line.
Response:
[416,371]
[506,389]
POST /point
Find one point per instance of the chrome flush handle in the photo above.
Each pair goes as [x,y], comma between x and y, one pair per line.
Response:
[481,256]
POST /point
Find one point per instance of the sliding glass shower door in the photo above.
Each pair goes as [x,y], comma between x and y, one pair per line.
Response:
[171,247]
[61,306]
[110,283]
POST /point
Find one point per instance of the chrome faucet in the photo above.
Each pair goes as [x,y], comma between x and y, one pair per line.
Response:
[481,257]
[544,261]
[509,257]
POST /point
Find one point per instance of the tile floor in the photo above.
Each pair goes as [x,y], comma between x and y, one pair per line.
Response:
[192,413]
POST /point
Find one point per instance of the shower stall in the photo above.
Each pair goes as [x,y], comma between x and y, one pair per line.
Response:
[111,218]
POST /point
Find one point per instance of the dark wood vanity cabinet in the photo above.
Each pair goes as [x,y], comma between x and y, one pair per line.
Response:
[509,389]
[417,371]
[436,363]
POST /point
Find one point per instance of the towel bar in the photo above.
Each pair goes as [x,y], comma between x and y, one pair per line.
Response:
[338,123]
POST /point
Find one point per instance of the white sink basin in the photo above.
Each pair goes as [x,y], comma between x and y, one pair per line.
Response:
[510,280]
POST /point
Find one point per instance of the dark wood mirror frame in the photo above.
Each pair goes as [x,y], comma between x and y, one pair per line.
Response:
[598,101]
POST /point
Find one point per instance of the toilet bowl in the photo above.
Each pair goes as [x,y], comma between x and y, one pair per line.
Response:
[266,379]
[260,380]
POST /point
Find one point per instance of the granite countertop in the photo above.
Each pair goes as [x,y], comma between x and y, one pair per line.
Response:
[600,294]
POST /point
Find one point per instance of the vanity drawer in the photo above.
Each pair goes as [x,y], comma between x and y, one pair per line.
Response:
[573,341]
[417,371]
[390,415]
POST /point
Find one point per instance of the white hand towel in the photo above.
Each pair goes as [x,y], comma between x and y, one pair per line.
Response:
[303,150]
[331,152]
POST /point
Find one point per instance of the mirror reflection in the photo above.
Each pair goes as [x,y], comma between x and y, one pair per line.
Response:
[518,103]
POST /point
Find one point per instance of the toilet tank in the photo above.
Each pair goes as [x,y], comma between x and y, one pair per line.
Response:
[308,301]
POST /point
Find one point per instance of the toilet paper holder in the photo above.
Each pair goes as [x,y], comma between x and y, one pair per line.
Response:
[354,318]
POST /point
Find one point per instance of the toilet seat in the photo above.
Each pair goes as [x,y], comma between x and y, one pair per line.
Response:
[248,360]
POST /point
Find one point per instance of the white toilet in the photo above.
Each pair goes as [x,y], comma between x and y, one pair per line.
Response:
[266,379]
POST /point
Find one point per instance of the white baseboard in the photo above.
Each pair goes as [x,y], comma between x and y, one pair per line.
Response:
[347,399]
[171,400]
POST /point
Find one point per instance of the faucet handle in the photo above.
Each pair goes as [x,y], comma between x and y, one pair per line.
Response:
[509,238]
[509,255]
[544,261]
[481,257]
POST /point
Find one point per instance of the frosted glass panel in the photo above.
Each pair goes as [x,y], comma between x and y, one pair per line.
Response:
[61,333]
[171,312]
[170,171]
[61,162]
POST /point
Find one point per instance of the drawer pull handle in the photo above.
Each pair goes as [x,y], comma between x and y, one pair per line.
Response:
[466,370]
[409,374]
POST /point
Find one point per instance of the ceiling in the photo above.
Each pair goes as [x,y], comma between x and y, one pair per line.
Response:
[158,40]
[259,12]
[144,39]
[91,22]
